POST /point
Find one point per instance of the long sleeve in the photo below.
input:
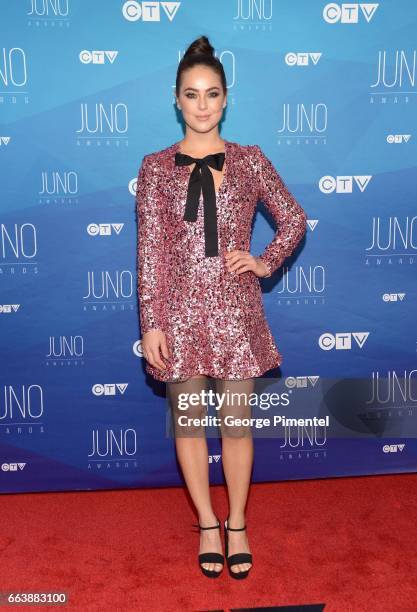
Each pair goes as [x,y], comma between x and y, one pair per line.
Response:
[150,251]
[288,214]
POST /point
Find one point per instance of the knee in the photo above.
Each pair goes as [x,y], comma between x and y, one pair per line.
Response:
[191,411]
[188,421]
[229,429]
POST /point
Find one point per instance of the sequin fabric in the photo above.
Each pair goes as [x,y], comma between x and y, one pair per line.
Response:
[213,319]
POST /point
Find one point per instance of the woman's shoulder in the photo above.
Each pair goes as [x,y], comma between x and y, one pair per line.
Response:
[160,153]
[256,154]
[243,148]
[246,150]
[160,159]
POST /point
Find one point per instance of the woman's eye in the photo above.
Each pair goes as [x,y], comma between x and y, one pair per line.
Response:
[213,94]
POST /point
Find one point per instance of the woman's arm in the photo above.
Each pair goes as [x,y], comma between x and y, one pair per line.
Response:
[150,252]
[288,214]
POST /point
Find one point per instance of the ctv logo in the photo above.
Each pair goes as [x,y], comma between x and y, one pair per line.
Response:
[97,57]
[393,297]
[137,348]
[343,184]
[342,340]
[393,448]
[301,382]
[9,308]
[398,138]
[302,59]
[109,388]
[214,458]
[149,11]
[12,467]
[348,13]
[104,229]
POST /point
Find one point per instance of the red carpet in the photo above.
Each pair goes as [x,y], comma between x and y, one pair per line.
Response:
[346,543]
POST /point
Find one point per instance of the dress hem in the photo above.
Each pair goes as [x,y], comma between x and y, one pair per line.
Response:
[258,372]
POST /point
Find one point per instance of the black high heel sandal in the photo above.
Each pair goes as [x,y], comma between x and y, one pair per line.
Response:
[210,557]
[242,557]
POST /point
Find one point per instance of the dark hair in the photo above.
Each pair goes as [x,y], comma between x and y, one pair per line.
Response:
[200,52]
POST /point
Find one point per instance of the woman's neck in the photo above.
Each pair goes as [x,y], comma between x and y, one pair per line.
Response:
[197,146]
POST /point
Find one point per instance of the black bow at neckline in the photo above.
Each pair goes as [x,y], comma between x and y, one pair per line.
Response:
[201,179]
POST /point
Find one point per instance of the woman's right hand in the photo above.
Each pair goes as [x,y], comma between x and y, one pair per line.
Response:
[153,345]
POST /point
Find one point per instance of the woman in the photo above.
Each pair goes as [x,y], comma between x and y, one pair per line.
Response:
[201,309]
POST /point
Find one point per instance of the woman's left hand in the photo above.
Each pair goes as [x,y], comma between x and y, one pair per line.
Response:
[242,261]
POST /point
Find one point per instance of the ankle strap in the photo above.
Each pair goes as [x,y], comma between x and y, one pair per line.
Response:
[212,527]
[233,528]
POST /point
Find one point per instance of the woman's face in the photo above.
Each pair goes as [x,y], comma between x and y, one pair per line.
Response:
[201,98]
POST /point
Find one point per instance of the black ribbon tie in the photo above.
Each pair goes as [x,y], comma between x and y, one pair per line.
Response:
[201,179]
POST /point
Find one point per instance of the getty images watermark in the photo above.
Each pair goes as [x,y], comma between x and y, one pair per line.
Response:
[295,408]
[237,409]
[227,400]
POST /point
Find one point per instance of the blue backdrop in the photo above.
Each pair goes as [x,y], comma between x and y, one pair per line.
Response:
[86,89]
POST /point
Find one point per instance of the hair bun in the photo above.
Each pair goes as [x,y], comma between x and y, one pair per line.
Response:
[200,52]
[200,46]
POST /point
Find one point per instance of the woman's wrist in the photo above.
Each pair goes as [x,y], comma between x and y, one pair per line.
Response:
[267,271]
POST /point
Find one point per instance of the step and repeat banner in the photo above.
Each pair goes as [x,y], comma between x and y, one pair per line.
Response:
[328,91]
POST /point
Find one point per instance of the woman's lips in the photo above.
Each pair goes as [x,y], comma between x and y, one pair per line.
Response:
[203,117]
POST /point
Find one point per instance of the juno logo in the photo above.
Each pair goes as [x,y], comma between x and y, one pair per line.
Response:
[149,11]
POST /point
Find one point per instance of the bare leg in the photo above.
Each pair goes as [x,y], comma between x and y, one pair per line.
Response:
[192,453]
[237,458]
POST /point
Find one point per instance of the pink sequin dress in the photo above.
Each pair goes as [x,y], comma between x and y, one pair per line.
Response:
[213,319]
